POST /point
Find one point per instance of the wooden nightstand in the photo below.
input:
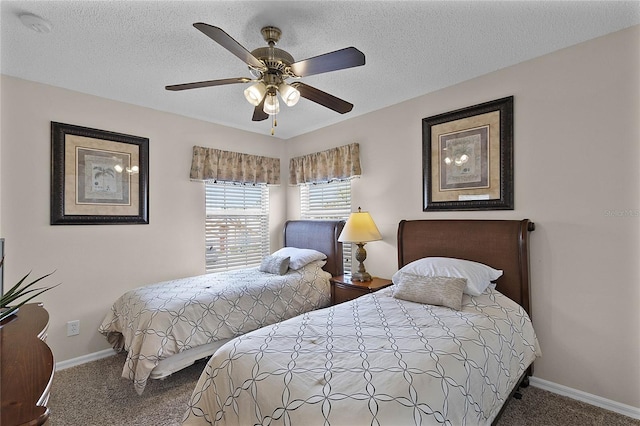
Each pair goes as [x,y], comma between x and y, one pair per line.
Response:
[343,289]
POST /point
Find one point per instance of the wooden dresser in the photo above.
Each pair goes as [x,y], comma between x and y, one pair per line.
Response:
[26,367]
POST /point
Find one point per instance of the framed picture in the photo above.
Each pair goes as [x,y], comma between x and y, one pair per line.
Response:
[98,177]
[467,158]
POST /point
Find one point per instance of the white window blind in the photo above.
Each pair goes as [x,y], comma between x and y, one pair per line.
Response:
[328,201]
[237,226]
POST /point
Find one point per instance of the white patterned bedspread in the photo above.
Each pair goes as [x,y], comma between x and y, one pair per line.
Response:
[375,360]
[156,321]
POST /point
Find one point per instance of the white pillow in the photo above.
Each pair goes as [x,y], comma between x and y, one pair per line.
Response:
[299,257]
[318,264]
[478,275]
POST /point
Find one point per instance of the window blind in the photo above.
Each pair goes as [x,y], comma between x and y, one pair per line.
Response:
[236,226]
[328,201]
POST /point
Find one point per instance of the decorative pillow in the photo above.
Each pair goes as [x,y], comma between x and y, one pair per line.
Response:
[299,257]
[478,275]
[275,265]
[441,291]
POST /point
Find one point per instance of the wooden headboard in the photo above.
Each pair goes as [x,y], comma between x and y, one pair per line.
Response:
[321,235]
[501,244]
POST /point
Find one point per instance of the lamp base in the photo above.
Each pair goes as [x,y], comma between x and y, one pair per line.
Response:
[360,276]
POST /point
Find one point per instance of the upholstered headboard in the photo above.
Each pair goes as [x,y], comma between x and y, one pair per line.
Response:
[501,244]
[321,235]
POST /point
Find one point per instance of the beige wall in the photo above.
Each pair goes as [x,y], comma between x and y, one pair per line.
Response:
[98,263]
[577,147]
[576,153]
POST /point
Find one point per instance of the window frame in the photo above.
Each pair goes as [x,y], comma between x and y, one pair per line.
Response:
[325,204]
[244,209]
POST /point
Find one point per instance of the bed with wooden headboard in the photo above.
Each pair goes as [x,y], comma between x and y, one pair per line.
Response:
[167,326]
[384,359]
[502,244]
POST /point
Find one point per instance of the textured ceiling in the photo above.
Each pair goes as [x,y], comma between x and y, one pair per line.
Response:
[130,50]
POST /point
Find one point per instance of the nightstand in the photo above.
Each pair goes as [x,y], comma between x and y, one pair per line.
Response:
[343,289]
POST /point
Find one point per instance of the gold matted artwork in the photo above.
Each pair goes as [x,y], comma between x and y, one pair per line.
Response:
[467,158]
[98,177]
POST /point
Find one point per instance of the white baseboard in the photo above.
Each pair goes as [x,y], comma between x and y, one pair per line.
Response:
[607,404]
[84,359]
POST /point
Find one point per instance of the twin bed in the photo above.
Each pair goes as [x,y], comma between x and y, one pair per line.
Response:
[166,327]
[386,359]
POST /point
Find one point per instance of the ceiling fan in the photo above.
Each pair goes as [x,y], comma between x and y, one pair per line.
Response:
[271,67]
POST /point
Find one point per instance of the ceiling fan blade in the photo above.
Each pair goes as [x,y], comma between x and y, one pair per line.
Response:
[258,112]
[323,98]
[340,59]
[208,83]
[226,41]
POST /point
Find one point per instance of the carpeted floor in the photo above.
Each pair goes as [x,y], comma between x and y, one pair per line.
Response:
[94,394]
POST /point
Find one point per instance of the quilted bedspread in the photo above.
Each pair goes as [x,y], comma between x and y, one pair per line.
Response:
[375,360]
[156,321]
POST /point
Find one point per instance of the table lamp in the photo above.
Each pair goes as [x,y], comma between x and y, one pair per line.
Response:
[360,229]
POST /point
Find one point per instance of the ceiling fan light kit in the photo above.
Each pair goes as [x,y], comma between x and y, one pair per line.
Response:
[271,67]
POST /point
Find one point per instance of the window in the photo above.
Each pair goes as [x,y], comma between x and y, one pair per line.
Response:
[237,226]
[328,201]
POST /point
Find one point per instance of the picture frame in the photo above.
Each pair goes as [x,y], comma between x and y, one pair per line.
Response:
[467,158]
[98,177]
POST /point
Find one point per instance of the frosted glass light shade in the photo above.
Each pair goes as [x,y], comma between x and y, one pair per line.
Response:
[255,93]
[290,95]
[271,105]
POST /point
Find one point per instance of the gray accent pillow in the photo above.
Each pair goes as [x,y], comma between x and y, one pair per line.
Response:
[275,264]
[441,291]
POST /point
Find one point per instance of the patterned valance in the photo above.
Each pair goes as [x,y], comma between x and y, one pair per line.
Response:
[210,164]
[333,164]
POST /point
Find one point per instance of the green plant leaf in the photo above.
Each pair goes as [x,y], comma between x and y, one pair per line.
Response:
[5,314]
[16,291]
[22,290]
[13,289]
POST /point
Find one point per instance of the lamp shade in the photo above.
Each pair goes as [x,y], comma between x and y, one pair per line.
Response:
[360,228]
[255,93]
[290,95]
[271,104]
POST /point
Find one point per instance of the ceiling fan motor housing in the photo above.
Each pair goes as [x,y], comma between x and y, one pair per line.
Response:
[276,60]
[273,57]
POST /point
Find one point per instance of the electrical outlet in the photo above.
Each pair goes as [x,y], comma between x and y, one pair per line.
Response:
[73,328]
